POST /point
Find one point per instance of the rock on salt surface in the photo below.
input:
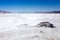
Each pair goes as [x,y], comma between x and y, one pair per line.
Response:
[22,27]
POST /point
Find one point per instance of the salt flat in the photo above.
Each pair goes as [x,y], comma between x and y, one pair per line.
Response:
[12,27]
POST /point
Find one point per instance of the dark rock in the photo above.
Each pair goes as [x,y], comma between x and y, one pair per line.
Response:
[46,24]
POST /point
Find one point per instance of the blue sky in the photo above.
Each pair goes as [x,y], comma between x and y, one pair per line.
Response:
[29,5]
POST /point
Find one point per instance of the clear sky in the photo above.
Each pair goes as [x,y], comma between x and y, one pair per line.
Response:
[29,5]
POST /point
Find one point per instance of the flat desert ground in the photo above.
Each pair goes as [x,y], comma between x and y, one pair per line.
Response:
[23,26]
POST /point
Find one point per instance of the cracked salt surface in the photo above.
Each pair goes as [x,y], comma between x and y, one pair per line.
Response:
[22,27]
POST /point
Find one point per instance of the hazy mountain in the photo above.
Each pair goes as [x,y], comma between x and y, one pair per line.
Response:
[4,11]
[1,11]
[54,12]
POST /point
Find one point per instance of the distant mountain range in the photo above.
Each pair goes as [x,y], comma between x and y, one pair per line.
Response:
[4,11]
[30,12]
[54,12]
[41,12]
[49,12]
